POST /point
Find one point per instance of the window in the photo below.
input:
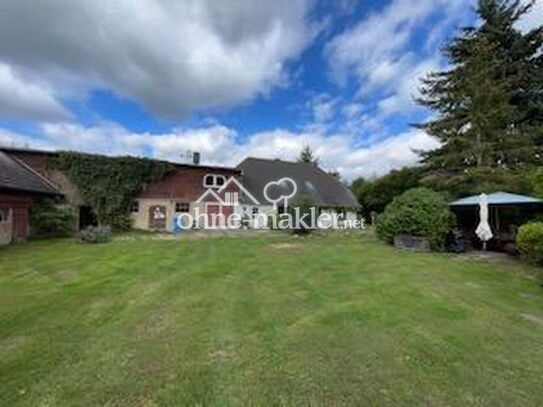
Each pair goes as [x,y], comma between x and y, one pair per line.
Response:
[255,212]
[209,180]
[135,207]
[182,207]
[214,181]
[4,215]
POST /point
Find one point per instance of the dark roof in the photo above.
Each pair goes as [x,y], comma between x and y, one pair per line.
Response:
[24,150]
[16,175]
[323,189]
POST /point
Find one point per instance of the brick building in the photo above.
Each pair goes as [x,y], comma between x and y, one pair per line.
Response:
[20,188]
[159,203]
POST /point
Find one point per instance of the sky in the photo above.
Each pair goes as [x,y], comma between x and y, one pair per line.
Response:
[229,78]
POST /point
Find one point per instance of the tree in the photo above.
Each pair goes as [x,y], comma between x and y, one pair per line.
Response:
[375,195]
[307,156]
[489,105]
[537,182]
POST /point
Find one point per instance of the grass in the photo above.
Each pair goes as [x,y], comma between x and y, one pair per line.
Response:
[337,320]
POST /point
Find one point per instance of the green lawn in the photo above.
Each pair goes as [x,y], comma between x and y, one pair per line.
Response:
[337,320]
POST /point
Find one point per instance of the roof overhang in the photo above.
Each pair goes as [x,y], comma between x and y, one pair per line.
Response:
[498,199]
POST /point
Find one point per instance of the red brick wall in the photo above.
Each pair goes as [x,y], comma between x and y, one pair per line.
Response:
[186,184]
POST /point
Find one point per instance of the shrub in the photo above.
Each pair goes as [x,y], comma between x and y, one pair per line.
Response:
[304,206]
[49,220]
[418,212]
[537,182]
[96,234]
[121,222]
[530,242]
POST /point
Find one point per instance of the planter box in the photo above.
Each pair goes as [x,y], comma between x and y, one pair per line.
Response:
[419,244]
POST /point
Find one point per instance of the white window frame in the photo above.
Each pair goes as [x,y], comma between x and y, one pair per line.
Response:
[215,178]
[5,215]
[182,203]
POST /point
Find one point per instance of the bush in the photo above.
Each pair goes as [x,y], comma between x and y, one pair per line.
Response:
[121,223]
[530,242]
[537,182]
[418,212]
[96,234]
[304,206]
[49,220]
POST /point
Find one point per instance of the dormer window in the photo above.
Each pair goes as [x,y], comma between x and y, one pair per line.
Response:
[214,180]
[209,180]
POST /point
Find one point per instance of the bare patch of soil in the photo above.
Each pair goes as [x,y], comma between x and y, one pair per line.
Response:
[285,246]
[538,319]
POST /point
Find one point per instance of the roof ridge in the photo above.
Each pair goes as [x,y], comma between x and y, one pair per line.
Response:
[9,150]
[276,160]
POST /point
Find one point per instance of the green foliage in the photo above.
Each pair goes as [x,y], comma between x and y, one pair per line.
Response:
[109,184]
[375,195]
[50,220]
[302,207]
[537,182]
[95,234]
[473,181]
[489,104]
[530,242]
[307,156]
[418,212]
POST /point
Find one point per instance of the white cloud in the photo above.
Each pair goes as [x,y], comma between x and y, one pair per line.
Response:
[20,98]
[323,107]
[534,19]
[171,56]
[407,88]
[221,145]
[378,51]
[11,139]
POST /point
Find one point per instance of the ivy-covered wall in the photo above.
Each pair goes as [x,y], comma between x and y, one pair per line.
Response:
[109,184]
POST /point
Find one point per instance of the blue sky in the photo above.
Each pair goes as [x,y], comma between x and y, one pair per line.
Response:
[229,79]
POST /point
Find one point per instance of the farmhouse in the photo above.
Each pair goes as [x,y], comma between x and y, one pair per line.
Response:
[159,204]
[26,177]
[154,209]
[324,191]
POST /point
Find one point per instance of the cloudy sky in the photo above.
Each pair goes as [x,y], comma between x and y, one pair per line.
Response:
[229,78]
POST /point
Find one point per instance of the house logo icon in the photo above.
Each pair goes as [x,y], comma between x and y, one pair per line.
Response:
[227,198]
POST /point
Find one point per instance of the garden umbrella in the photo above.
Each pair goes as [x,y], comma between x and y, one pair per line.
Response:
[483,230]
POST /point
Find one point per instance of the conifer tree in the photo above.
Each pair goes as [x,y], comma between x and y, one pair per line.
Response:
[489,104]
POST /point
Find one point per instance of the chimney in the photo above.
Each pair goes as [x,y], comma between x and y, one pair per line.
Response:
[196,158]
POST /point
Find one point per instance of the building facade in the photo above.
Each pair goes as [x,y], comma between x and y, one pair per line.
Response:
[20,189]
[161,202]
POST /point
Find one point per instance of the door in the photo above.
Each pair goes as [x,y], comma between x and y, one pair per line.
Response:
[157,217]
[6,226]
[217,215]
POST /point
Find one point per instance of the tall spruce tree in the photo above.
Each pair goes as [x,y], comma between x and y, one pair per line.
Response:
[307,156]
[489,104]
